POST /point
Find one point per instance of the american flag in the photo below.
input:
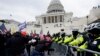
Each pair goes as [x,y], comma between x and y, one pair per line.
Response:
[22,26]
[3,28]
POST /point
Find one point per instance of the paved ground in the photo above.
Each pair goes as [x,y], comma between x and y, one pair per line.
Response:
[55,54]
[58,51]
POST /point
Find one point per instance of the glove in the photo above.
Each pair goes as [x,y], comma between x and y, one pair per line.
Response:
[32,41]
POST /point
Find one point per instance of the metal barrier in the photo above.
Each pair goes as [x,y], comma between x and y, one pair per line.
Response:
[65,50]
[87,50]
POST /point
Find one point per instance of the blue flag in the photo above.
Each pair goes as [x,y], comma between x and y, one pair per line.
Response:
[22,26]
[3,28]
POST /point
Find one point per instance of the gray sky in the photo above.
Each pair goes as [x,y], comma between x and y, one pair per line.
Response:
[26,10]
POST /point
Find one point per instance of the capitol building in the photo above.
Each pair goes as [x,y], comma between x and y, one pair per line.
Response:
[56,18]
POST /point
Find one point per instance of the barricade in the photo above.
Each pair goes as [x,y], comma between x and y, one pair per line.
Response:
[65,50]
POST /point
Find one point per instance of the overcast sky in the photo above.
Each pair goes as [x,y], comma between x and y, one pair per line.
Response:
[26,10]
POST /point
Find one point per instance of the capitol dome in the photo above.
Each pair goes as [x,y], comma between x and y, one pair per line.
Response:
[55,6]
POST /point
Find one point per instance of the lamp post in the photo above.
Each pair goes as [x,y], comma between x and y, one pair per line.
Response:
[87,19]
[71,24]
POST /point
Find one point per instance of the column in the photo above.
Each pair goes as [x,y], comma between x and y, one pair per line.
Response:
[43,20]
[50,19]
[46,19]
[63,18]
[58,18]
[54,18]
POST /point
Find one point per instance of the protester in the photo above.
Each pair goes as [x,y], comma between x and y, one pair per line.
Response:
[39,47]
[2,44]
[16,45]
[28,45]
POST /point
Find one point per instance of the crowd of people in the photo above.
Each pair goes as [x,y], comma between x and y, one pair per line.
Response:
[18,43]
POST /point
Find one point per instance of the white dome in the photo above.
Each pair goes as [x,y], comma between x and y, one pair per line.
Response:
[55,1]
[55,6]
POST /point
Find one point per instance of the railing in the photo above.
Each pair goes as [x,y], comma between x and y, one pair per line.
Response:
[87,50]
[65,50]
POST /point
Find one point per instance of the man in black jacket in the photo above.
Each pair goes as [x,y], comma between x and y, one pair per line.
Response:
[16,44]
[2,46]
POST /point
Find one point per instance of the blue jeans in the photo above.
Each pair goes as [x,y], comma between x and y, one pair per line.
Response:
[36,53]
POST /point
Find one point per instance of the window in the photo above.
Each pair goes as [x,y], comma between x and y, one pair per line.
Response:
[60,18]
[46,27]
[60,25]
[98,6]
[52,19]
[44,20]
[56,25]
[55,19]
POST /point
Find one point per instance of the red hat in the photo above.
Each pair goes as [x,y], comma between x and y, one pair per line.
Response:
[23,33]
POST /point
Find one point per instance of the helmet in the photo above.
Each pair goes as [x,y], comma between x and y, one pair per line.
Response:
[92,27]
